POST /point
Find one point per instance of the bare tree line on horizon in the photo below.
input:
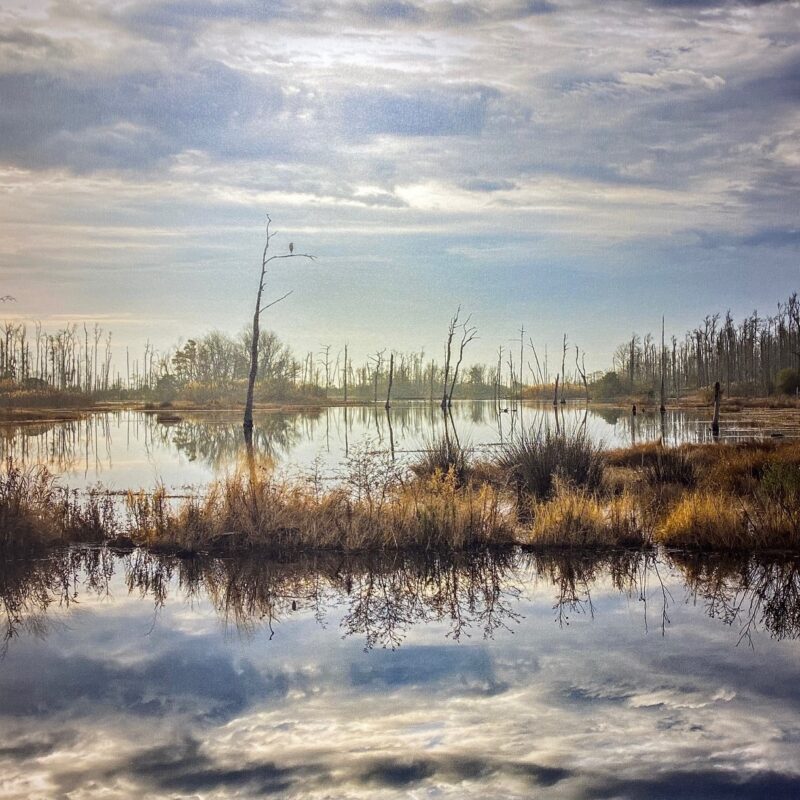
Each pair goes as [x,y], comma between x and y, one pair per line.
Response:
[745,358]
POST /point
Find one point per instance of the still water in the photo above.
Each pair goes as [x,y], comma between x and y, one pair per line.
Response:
[134,449]
[488,676]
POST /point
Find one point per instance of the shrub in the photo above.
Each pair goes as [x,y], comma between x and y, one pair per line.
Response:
[533,463]
[787,381]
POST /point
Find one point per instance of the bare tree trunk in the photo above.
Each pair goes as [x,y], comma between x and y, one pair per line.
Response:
[469,333]
[345,374]
[715,420]
[391,381]
[663,369]
[447,352]
[555,395]
[253,372]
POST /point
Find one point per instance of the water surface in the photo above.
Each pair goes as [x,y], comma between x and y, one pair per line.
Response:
[486,676]
[134,449]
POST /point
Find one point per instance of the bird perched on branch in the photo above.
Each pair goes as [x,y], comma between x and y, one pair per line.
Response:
[291,247]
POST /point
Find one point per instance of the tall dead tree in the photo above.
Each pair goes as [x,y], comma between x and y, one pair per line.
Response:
[581,367]
[448,347]
[266,260]
[663,408]
[468,333]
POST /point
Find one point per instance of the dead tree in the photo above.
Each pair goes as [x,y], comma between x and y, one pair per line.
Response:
[259,310]
[663,370]
[581,367]
[448,346]
[715,420]
[468,333]
[377,359]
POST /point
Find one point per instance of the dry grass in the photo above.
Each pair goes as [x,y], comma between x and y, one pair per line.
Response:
[706,497]
[574,517]
[36,512]
[268,513]
[704,520]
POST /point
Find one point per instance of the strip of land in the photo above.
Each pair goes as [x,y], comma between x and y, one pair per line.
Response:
[550,491]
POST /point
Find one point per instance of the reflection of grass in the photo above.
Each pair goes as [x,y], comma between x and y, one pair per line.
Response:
[720,497]
[382,595]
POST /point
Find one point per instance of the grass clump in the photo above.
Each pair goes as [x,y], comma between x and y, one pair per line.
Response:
[36,512]
[670,466]
[575,517]
[442,456]
[534,464]
[705,520]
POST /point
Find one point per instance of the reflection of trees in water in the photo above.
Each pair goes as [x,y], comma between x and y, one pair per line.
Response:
[29,588]
[218,442]
[381,597]
[62,446]
[747,592]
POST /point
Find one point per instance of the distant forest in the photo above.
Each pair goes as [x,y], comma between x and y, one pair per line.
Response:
[758,356]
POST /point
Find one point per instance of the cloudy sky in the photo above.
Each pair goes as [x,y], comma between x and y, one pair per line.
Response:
[570,165]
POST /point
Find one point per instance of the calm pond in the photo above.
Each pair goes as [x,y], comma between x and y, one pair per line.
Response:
[488,676]
[134,449]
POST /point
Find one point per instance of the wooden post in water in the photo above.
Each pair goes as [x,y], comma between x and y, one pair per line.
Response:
[715,420]
[345,374]
[391,380]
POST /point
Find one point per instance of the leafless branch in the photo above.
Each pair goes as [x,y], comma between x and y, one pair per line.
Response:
[275,302]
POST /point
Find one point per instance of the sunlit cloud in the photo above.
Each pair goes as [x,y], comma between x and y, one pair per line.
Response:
[155,135]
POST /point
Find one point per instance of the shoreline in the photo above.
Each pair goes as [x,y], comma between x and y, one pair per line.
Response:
[67,413]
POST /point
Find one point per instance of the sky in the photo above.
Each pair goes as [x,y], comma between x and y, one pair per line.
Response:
[573,166]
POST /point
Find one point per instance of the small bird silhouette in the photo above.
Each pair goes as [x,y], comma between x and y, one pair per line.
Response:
[291,247]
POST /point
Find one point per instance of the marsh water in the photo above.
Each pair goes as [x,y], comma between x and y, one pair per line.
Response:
[482,675]
[505,675]
[130,449]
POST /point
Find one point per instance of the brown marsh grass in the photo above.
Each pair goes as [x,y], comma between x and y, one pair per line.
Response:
[704,497]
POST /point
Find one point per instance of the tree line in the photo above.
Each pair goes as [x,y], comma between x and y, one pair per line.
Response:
[759,355]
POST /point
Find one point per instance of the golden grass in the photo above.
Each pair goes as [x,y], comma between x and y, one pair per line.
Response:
[704,520]
[743,497]
[268,513]
[574,517]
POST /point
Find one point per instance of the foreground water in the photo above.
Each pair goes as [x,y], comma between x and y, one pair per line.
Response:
[133,449]
[504,676]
